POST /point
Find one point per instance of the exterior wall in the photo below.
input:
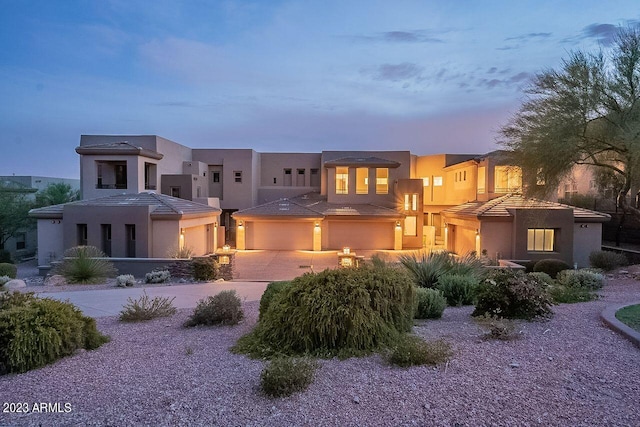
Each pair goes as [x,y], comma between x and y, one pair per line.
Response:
[188,185]
[561,220]
[275,185]
[199,234]
[496,239]
[89,175]
[118,217]
[166,238]
[279,235]
[587,238]
[51,240]
[358,234]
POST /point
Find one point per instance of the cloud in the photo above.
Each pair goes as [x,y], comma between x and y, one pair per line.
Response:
[515,79]
[529,36]
[603,33]
[411,36]
[398,72]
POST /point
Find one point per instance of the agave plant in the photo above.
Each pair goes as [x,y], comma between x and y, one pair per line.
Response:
[85,264]
[427,267]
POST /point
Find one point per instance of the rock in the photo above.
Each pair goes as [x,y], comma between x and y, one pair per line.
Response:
[15,284]
[356,399]
[55,280]
[514,365]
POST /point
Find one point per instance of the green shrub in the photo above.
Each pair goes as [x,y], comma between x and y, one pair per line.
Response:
[379,261]
[586,279]
[341,312]
[10,270]
[551,266]
[177,252]
[273,289]
[512,294]
[458,289]
[85,264]
[205,269]
[498,328]
[125,280]
[157,276]
[429,303]
[568,295]
[224,308]
[542,277]
[607,260]
[411,350]
[146,308]
[5,257]
[37,331]
[285,376]
[4,280]
[426,268]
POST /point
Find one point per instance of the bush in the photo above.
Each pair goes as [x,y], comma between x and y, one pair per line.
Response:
[341,312]
[285,376]
[5,257]
[551,266]
[224,308]
[458,289]
[9,270]
[429,303]
[273,289]
[125,280]
[585,279]
[426,268]
[568,295]
[542,277]
[180,252]
[4,280]
[498,328]
[37,331]
[84,264]
[607,260]
[157,276]
[512,294]
[205,269]
[145,308]
[412,350]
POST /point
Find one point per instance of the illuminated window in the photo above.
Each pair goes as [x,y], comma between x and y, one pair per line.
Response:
[482,179]
[411,226]
[425,181]
[414,202]
[382,181]
[362,180]
[411,202]
[406,202]
[507,179]
[540,240]
[437,181]
[342,180]
[540,177]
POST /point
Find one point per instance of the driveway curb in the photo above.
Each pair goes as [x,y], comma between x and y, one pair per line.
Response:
[608,316]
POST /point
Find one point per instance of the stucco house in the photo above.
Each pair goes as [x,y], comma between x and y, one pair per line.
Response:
[321,201]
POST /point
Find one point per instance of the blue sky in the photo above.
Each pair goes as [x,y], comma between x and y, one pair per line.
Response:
[426,76]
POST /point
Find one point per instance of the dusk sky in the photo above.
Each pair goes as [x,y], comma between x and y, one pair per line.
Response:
[424,76]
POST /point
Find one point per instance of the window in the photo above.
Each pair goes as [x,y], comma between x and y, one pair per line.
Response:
[82,234]
[21,241]
[237,176]
[315,178]
[482,179]
[382,181]
[406,202]
[507,179]
[362,180]
[411,202]
[121,176]
[437,181]
[425,181]
[175,191]
[411,226]
[540,240]
[414,202]
[216,177]
[540,177]
[342,180]
[464,175]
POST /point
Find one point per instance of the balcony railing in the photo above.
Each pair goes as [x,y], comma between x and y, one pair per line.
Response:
[112,186]
[149,187]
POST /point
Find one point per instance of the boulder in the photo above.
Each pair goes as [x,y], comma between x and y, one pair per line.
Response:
[15,284]
[55,280]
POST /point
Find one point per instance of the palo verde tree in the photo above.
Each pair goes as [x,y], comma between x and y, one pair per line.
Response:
[56,194]
[14,212]
[587,112]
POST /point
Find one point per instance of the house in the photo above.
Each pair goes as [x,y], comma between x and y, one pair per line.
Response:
[327,200]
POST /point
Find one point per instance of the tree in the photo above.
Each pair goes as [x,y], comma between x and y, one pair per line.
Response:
[585,113]
[56,194]
[14,212]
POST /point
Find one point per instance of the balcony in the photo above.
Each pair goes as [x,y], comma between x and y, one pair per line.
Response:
[111,186]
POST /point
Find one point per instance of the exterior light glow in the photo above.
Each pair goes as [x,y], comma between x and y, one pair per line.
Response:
[226,248]
[346,250]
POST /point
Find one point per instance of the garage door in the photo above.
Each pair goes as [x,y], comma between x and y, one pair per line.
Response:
[279,235]
[360,235]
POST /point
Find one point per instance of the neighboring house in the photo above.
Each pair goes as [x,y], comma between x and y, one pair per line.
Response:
[25,244]
[328,200]
[144,225]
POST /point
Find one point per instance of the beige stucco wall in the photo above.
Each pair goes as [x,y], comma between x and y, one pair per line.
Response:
[559,219]
[496,237]
[50,240]
[587,238]
[166,237]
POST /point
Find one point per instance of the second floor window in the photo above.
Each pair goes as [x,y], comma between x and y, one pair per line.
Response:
[342,180]
[237,176]
[508,179]
[382,181]
[362,180]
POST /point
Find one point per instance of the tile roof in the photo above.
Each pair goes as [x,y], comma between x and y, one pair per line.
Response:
[122,147]
[501,208]
[362,161]
[161,205]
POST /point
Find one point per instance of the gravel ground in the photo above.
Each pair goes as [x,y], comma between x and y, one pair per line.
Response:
[569,371]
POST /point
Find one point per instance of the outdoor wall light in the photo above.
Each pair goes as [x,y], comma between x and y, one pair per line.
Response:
[240,224]
[398,224]
[317,225]
[477,232]
[215,225]
[226,248]
[224,259]
[346,250]
[182,231]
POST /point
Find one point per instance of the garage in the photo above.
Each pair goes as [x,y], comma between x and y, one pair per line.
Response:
[279,235]
[360,234]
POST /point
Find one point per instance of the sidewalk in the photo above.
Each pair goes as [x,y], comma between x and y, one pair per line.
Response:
[109,302]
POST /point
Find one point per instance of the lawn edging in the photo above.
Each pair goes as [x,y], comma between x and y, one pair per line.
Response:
[608,316]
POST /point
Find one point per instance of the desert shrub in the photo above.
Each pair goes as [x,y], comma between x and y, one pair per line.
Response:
[529,265]
[426,268]
[37,331]
[411,350]
[146,308]
[498,328]
[157,276]
[5,257]
[607,260]
[458,289]
[542,277]
[429,303]
[4,280]
[273,289]
[341,312]
[205,269]
[551,266]
[224,308]
[9,270]
[85,264]
[512,294]
[379,261]
[585,279]
[125,280]
[177,252]
[568,295]
[284,376]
